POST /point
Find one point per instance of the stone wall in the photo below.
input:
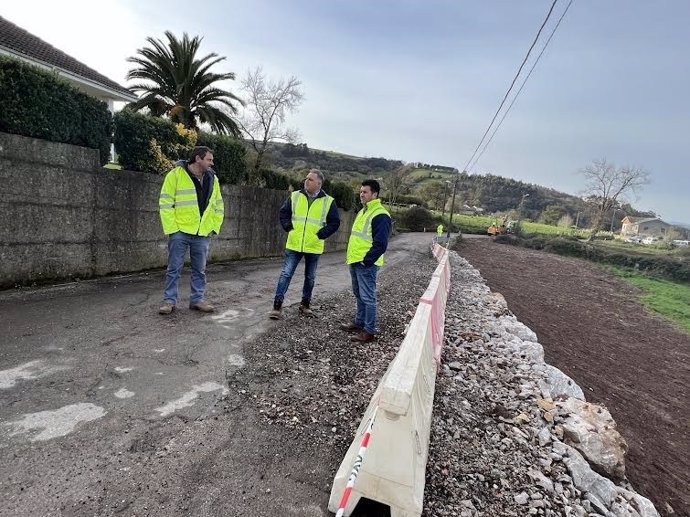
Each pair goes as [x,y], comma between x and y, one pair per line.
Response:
[63,216]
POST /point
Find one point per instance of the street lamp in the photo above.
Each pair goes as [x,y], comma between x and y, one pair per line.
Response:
[443,209]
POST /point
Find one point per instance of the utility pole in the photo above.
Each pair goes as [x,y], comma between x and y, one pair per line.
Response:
[443,209]
[452,205]
[613,215]
[522,205]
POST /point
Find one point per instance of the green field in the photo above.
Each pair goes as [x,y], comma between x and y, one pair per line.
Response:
[670,300]
[479,223]
[468,223]
[530,228]
[640,249]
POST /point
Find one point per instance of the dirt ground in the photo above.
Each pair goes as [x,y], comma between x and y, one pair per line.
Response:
[631,361]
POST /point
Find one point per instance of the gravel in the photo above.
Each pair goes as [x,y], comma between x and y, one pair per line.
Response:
[495,446]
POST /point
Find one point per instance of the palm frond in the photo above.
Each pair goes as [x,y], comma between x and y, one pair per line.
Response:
[177,82]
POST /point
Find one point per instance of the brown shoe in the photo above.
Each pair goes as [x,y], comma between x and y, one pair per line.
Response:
[351,327]
[363,337]
[305,310]
[166,308]
[202,306]
[276,314]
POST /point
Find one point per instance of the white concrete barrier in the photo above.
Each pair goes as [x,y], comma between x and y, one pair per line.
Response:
[393,472]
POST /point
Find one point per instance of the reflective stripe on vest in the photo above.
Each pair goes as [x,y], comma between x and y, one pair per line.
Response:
[305,219]
[361,236]
[302,237]
[365,233]
[179,206]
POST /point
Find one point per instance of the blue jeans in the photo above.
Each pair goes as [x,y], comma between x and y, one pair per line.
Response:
[292,258]
[364,289]
[198,252]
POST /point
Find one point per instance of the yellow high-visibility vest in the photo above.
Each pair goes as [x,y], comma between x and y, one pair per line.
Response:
[307,220]
[179,207]
[361,236]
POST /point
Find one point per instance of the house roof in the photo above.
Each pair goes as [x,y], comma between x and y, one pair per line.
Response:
[638,220]
[24,44]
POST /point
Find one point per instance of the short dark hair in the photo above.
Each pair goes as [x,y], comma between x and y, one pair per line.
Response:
[199,151]
[373,185]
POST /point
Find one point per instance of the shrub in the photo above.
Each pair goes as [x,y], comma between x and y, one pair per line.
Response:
[39,104]
[343,194]
[151,144]
[269,178]
[228,157]
[416,219]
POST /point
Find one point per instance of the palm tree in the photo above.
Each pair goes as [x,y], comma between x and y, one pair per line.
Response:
[180,85]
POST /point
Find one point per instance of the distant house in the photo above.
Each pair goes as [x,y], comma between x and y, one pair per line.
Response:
[20,44]
[644,227]
[471,210]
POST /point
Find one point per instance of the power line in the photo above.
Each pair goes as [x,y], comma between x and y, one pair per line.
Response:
[505,113]
[548,15]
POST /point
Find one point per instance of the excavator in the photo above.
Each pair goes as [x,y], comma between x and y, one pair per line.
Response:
[506,227]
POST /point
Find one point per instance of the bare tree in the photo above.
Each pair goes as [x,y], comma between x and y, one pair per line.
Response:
[397,184]
[267,104]
[606,184]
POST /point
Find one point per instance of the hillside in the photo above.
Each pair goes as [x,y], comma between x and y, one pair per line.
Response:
[429,185]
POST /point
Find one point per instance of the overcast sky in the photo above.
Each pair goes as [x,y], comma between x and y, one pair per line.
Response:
[420,80]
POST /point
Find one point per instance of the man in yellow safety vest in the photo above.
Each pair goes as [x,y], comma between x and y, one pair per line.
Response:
[309,216]
[191,210]
[365,249]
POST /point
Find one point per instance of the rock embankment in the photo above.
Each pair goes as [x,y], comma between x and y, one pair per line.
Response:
[511,436]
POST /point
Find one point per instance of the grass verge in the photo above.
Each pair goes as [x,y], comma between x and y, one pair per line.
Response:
[670,300]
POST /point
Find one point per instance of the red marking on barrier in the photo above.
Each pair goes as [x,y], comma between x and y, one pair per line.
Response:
[359,461]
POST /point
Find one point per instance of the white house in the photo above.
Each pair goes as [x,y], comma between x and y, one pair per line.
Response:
[20,44]
[644,227]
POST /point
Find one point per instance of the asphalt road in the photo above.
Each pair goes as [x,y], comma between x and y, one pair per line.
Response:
[85,366]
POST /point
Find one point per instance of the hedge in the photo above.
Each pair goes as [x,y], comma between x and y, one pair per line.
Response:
[152,144]
[675,268]
[228,157]
[342,193]
[39,104]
